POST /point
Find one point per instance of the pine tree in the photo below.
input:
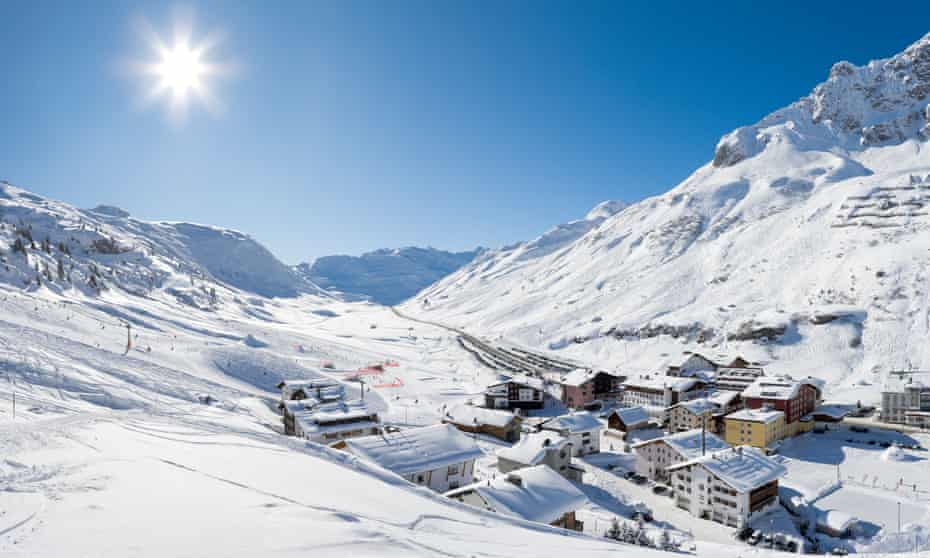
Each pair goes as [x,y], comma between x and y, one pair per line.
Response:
[18,246]
[614,531]
[61,270]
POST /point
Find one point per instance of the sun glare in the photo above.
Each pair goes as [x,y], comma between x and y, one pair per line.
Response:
[180,71]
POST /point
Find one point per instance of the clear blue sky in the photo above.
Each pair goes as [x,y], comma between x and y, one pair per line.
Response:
[357,125]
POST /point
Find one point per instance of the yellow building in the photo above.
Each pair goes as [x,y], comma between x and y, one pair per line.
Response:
[759,428]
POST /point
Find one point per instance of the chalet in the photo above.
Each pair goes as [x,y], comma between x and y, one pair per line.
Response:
[327,423]
[517,392]
[540,448]
[626,419]
[583,387]
[795,398]
[689,415]
[654,457]
[479,420]
[310,393]
[695,365]
[582,429]
[534,494]
[656,393]
[730,486]
[439,457]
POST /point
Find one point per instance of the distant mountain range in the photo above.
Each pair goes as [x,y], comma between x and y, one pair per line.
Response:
[386,276]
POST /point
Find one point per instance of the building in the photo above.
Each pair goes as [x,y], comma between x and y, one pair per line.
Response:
[536,494]
[626,419]
[540,448]
[326,423]
[689,415]
[654,457]
[737,376]
[656,393]
[906,398]
[500,424]
[439,457]
[518,392]
[582,429]
[729,486]
[582,387]
[695,365]
[795,398]
[759,428]
[311,393]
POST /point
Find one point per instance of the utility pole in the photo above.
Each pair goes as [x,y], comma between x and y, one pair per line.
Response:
[899,517]
[128,337]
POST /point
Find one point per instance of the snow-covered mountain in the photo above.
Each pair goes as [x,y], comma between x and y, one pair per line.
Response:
[48,243]
[804,244]
[386,276]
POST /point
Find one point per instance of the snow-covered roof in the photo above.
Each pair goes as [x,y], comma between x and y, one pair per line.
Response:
[534,494]
[723,398]
[835,412]
[688,443]
[320,388]
[779,387]
[659,382]
[579,376]
[416,449]
[336,416]
[523,380]
[899,382]
[632,415]
[532,448]
[699,406]
[756,415]
[470,415]
[573,423]
[744,468]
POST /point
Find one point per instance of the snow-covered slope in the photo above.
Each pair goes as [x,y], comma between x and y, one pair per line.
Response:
[47,242]
[803,244]
[386,276]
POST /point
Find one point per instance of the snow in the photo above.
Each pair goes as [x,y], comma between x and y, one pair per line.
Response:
[699,406]
[415,450]
[532,447]
[573,423]
[756,415]
[632,416]
[469,415]
[894,453]
[542,495]
[836,520]
[744,468]
[688,444]
[577,377]
[783,387]
[523,380]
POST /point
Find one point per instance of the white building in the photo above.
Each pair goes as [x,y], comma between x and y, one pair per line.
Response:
[729,486]
[583,430]
[534,494]
[439,457]
[540,448]
[326,423]
[656,393]
[517,392]
[906,398]
[654,457]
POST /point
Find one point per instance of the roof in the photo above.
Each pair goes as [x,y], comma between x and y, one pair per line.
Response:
[574,422]
[534,494]
[723,398]
[744,468]
[532,448]
[756,415]
[319,418]
[470,415]
[523,380]
[658,382]
[835,412]
[779,387]
[321,388]
[578,376]
[632,415]
[900,382]
[699,406]
[416,449]
[688,443]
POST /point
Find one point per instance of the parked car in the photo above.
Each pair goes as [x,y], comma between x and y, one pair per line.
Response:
[755,537]
[859,429]
[638,479]
[744,533]
[837,551]
[629,475]
[659,489]
[791,546]
[643,516]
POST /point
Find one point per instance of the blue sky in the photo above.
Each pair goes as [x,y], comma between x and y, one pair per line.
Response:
[354,125]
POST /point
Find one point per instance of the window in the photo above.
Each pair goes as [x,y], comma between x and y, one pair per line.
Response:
[453,470]
[421,479]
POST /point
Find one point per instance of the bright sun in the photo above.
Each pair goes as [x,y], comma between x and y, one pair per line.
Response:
[181,70]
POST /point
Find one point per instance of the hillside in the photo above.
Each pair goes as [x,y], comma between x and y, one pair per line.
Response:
[802,244]
[386,276]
